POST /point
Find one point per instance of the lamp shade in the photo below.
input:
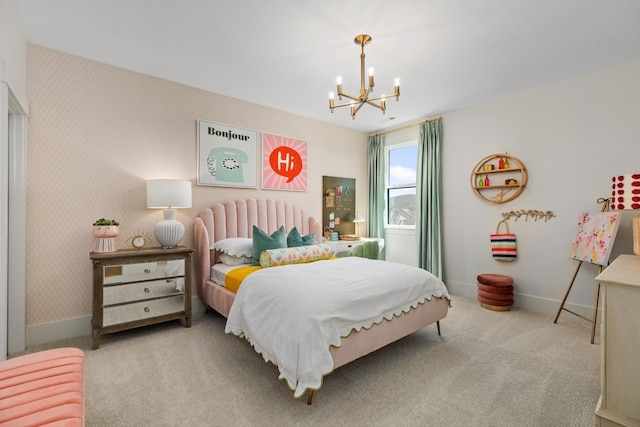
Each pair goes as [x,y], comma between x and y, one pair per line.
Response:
[168,193]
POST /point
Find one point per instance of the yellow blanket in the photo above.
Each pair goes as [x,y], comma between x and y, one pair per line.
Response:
[234,278]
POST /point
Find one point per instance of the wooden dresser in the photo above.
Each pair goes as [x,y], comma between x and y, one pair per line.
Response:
[619,403]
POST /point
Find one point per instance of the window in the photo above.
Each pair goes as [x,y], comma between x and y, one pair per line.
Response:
[402,163]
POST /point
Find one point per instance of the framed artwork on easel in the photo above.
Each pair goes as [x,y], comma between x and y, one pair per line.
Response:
[592,242]
[594,237]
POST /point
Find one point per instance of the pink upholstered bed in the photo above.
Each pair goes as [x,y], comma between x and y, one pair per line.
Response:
[237,218]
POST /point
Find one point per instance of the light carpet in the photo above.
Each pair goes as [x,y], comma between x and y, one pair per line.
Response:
[488,368]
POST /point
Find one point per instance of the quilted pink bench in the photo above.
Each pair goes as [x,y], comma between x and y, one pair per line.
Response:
[43,388]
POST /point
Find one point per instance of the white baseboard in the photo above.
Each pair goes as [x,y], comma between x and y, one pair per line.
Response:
[55,331]
[543,306]
[80,326]
[45,333]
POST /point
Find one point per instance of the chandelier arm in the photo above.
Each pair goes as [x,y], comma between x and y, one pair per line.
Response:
[348,104]
[355,98]
[377,98]
[355,110]
[374,104]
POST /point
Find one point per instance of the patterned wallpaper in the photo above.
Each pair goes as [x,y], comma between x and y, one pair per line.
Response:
[96,133]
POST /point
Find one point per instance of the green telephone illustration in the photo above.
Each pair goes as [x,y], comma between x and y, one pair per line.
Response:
[225,164]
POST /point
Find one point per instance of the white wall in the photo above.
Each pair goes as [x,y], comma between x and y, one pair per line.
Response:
[13,52]
[573,136]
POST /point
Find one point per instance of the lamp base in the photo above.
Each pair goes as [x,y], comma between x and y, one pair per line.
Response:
[169,232]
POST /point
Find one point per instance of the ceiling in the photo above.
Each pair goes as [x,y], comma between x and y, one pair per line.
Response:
[286,54]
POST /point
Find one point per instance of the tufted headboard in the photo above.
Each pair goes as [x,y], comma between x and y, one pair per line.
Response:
[236,218]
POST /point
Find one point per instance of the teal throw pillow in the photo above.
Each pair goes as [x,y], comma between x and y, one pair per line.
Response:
[262,241]
[294,239]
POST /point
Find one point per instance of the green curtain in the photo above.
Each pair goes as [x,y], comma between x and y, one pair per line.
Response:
[375,223]
[429,198]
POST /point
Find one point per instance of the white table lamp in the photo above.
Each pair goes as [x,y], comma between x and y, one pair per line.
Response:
[358,219]
[168,194]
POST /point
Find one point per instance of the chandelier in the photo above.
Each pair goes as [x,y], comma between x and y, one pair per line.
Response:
[358,101]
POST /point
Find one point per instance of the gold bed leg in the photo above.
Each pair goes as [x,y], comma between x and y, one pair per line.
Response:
[309,396]
[438,325]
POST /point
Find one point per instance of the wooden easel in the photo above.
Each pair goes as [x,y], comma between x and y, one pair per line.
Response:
[605,208]
[595,307]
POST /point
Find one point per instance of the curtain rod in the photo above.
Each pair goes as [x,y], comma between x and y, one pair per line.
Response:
[405,126]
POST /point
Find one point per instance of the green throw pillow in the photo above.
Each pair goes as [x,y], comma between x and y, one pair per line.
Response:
[262,241]
[294,239]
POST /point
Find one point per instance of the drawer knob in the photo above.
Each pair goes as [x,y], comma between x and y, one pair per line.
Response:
[147,290]
[147,309]
[146,270]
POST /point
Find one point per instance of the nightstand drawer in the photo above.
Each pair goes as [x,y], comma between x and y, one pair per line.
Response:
[137,272]
[142,310]
[139,291]
[344,247]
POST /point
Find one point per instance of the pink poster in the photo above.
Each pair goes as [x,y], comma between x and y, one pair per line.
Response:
[284,163]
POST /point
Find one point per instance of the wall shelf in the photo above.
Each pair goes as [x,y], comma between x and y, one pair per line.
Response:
[498,178]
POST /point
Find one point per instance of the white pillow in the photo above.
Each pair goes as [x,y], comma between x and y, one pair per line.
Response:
[235,246]
[234,260]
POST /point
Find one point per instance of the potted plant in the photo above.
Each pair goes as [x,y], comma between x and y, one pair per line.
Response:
[105,228]
[105,232]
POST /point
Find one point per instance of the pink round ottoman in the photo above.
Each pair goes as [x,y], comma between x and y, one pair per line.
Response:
[495,292]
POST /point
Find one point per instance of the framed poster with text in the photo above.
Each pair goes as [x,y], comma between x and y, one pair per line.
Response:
[284,163]
[227,156]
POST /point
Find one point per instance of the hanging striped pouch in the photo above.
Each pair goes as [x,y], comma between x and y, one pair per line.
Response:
[503,245]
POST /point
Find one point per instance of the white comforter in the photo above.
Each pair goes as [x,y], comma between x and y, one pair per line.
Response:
[292,314]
